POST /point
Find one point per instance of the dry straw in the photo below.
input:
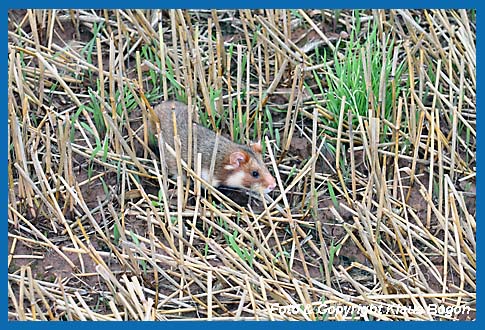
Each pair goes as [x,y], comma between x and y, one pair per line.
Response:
[97,231]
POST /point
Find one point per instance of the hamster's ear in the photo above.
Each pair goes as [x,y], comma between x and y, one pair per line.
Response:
[237,159]
[257,147]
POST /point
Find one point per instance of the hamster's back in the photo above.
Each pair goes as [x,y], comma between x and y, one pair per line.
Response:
[205,137]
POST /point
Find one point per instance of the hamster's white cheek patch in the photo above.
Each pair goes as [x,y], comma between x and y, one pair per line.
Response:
[235,179]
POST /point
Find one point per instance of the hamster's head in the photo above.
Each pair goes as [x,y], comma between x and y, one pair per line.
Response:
[245,169]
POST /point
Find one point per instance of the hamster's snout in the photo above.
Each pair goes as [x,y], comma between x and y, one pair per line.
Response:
[271,185]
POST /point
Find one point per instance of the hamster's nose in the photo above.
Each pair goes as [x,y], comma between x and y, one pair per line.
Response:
[271,186]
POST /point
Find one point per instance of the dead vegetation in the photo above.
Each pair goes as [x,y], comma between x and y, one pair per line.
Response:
[375,205]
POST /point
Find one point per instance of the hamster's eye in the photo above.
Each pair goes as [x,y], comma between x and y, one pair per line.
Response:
[255,174]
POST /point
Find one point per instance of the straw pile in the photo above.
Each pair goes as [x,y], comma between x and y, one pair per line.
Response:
[369,124]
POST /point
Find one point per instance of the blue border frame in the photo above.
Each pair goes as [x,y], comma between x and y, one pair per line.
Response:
[230,5]
[251,4]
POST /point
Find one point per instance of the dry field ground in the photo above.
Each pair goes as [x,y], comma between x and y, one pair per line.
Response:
[368,121]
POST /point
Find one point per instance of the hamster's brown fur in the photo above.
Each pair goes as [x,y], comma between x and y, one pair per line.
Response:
[236,165]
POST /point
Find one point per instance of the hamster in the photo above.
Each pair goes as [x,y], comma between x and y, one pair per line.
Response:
[236,166]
